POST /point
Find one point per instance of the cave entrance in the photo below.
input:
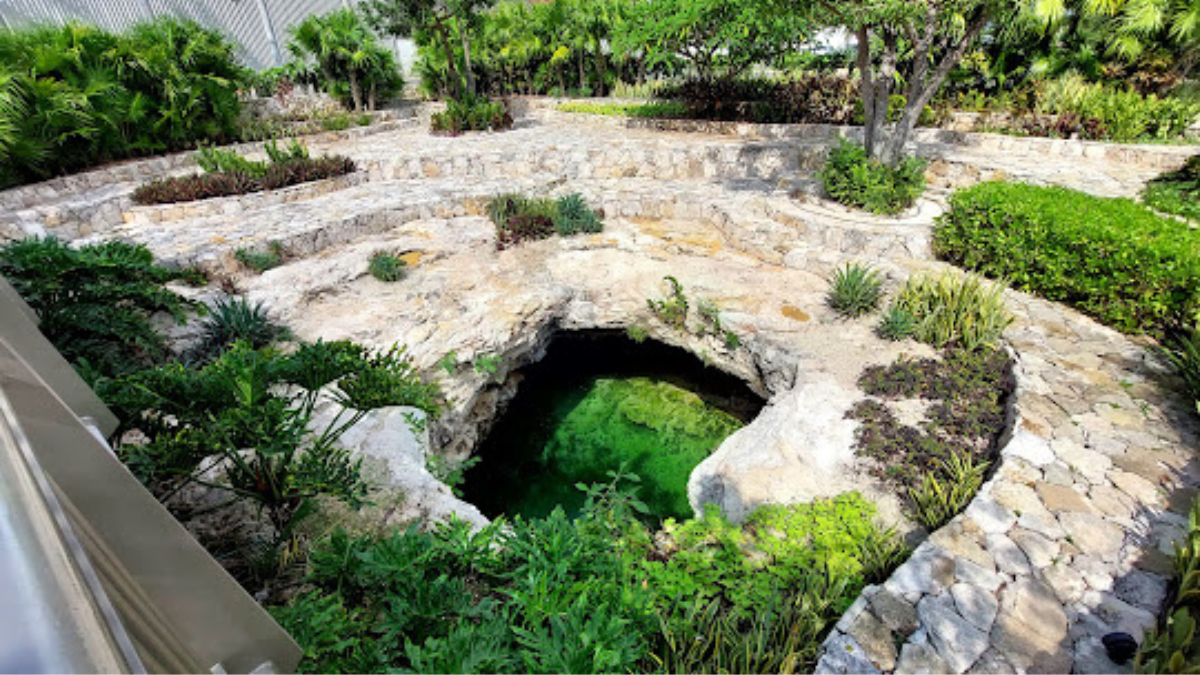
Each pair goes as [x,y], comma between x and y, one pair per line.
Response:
[597,401]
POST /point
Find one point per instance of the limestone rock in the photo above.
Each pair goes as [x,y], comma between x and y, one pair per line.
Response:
[1031,628]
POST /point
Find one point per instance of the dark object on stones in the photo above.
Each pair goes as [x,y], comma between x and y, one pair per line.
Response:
[1121,647]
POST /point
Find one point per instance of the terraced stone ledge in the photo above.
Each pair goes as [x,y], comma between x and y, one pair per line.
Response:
[1068,541]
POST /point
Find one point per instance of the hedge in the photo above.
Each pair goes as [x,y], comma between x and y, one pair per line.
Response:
[1112,259]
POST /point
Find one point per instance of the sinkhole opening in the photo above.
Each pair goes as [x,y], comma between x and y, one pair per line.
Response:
[599,401]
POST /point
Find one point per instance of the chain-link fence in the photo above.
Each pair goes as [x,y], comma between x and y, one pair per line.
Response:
[259,27]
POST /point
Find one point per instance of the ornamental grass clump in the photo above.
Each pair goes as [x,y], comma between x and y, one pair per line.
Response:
[955,311]
[855,290]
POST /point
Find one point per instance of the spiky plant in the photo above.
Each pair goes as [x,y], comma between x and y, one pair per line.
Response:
[573,216]
[897,323]
[953,310]
[386,267]
[232,320]
[855,290]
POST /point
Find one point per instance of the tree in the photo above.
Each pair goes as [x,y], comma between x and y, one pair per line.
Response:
[440,18]
[719,38]
[345,50]
[934,33]
[1136,25]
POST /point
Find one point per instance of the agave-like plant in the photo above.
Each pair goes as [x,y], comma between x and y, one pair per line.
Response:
[855,290]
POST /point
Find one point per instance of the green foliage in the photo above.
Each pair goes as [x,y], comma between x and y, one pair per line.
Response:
[344,57]
[637,333]
[519,218]
[94,303]
[1126,116]
[449,362]
[487,365]
[1177,192]
[471,114]
[228,173]
[663,110]
[232,320]
[1172,646]
[672,310]
[967,391]
[1110,258]
[386,267]
[261,261]
[449,472]
[851,177]
[953,310]
[572,216]
[1184,356]
[801,98]
[75,96]
[896,324]
[945,492]
[593,594]
[855,290]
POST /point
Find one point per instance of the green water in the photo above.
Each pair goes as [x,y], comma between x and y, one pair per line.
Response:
[568,425]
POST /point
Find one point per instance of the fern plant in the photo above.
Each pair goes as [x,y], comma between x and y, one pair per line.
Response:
[855,290]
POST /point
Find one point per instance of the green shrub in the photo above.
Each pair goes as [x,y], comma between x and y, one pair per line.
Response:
[232,320]
[386,267]
[81,96]
[221,160]
[896,324]
[1125,115]
[1177,192]
[953,310]
[852,178]
[1110,258]
[662,110]
[942,494]
[855,290]
[471,114]
[261,261]
[572,216]
[1172,646]
[94,303]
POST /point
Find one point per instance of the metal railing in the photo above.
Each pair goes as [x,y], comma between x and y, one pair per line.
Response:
[95,575]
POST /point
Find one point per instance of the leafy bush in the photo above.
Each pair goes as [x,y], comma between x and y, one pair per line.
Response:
[81,96]
[232,320]
[1124,115]
[261,261]
[386,267]
[94,303]
[1172,647]
[807,98]
[471,114]
[855,290]
[952,310]
[519,218]
[594,594]
[1110,258]
[221,160]
[896,324]
[852,178]
[663,110]
[1177,192]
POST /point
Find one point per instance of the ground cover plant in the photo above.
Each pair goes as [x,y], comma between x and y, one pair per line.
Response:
[597,593]
[78,96]
[1110,258]
[470,113]
[852,178]
[226,173]
[519,218]
[940,463]
[664,110]
[94,302]
[1176,192]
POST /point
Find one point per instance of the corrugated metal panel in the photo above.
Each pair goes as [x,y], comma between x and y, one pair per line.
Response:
[240,20]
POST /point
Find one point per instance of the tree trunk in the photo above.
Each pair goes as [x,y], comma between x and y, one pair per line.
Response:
[882,91]
[600,70]
[641,73]
[582,72]
[355,90]
[468,71]
[372,97]
[921,92]
[562,83]
[454,84]
[866,86]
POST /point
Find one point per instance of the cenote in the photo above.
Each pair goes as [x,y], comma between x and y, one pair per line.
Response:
[597,401]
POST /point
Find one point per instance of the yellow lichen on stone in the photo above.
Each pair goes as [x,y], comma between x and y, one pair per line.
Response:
[795,313]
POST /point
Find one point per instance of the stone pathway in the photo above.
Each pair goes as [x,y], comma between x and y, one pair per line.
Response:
[1070,538]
